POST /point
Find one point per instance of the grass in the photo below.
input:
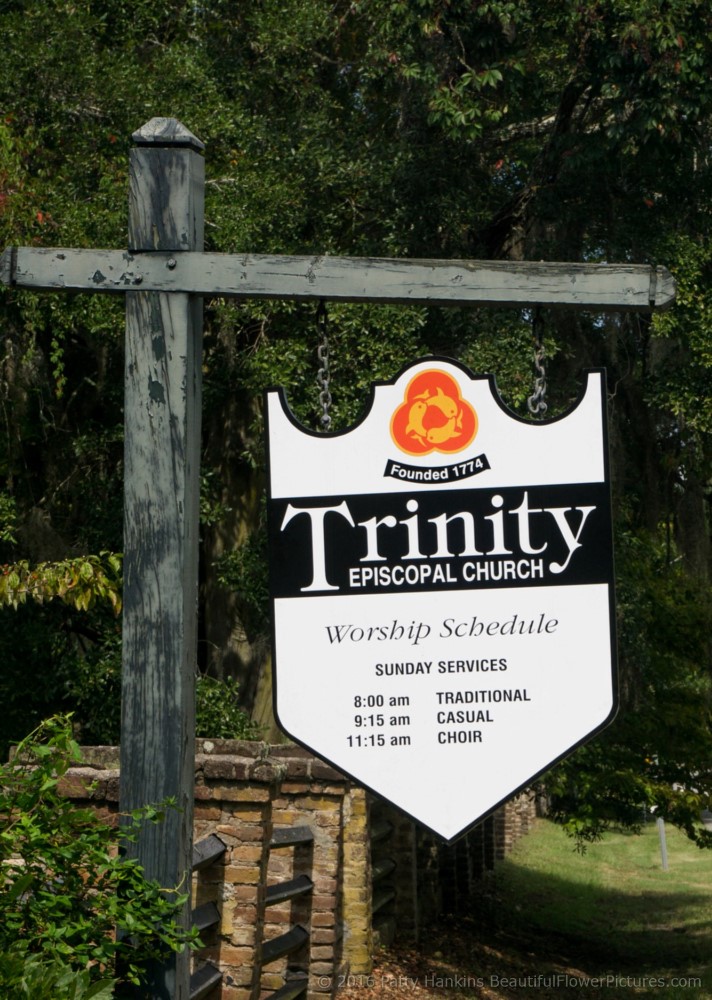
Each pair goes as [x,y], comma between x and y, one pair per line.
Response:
[550,923]
[613,911]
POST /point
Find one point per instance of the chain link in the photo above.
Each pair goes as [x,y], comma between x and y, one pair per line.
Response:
[536,403]
[324,375]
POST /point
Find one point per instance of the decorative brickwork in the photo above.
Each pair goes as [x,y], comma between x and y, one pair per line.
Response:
[373,871]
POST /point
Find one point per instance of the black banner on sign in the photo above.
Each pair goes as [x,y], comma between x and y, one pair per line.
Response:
[436,474]
[441,540]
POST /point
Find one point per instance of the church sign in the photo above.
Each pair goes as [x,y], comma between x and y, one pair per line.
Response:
[442,590]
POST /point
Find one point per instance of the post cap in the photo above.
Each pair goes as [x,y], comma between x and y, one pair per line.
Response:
[167,132]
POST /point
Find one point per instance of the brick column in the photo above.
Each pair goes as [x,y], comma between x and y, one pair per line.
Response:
[242,789]
[357,917]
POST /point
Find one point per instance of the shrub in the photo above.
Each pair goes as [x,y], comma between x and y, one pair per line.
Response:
[57,660]
[67,895]
[218,714]
[28,975]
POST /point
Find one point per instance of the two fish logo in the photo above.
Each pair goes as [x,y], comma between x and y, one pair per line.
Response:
[433,416]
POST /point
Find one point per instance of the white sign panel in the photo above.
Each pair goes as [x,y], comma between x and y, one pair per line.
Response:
[442,595]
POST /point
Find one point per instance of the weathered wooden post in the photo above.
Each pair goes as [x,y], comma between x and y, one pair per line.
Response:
[161,475]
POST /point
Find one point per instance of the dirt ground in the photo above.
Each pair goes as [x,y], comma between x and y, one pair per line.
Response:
[468,959]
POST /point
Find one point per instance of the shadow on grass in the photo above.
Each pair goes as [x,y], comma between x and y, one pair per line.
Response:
[646,942]
[606,928]
[549,923]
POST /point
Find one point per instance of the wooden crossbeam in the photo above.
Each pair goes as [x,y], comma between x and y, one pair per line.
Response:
[207,851]
[286,943]
[290,889]
[349,279]
[290,836]
[203,981]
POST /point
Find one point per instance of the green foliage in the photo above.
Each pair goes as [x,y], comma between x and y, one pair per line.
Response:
[681,382]
[90,677]
[60,641]
[8,519]
[79,582]
[218,714]
[33,645]
[244,571]
[658,754]
[78,658]
[58,660]
[31,976]
[66,888]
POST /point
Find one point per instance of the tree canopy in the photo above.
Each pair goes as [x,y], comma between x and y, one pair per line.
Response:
[426,128]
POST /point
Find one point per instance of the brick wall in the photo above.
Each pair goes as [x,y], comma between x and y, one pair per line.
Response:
[246,791]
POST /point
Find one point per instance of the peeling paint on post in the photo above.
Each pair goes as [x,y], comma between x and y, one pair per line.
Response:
[161,474]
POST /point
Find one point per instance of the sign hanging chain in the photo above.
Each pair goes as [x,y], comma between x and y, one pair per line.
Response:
[536,403]
[324,374]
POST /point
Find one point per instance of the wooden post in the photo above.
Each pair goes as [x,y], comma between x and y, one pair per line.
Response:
[663,843]
[161,474]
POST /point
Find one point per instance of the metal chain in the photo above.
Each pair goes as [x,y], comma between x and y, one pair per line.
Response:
[324,375]
[536,403]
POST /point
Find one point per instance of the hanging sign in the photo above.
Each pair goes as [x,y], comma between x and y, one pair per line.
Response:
[442,590]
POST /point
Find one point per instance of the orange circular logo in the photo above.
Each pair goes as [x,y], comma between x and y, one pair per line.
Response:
[433,416]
